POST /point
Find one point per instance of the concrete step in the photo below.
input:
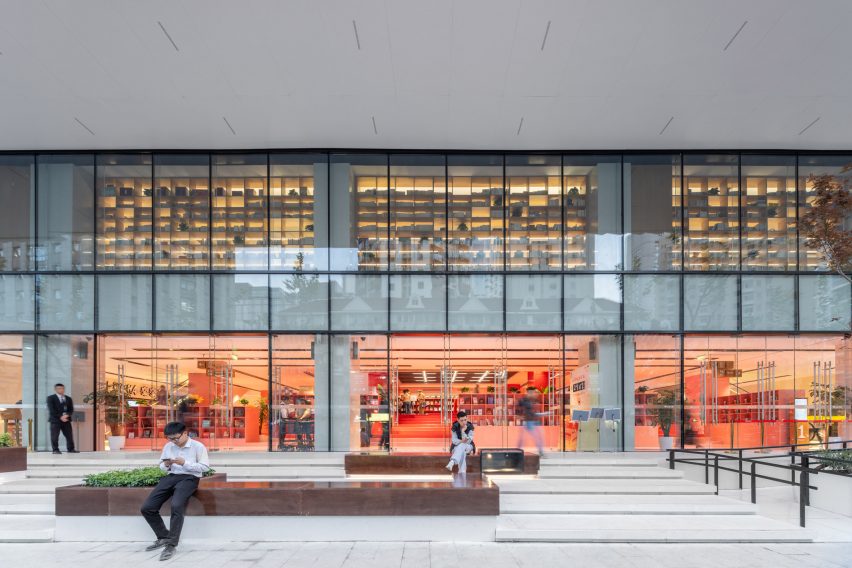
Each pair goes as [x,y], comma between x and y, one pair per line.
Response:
[608,472]
[646,528]
[623,505]
[36,486]
[132,459]
[601,487]
[232,471]
[26,528]
[585,461]
[27,509]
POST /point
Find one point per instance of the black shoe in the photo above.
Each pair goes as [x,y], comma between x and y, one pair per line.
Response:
[56,452]
[159,543]
[73,452]
[167,552]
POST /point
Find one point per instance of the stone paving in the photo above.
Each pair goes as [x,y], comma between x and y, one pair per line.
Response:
[431,555]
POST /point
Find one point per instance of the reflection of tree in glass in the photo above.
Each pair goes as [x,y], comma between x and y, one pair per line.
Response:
[824,224]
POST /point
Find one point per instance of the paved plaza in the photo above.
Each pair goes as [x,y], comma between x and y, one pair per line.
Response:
[433,555]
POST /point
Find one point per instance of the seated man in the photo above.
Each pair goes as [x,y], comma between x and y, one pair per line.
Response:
[185,460]
[462,443]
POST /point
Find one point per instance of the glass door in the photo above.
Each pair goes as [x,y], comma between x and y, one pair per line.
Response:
[421,405]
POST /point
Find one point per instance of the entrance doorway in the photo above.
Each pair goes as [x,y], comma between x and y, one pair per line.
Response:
[216,385]
[434,376]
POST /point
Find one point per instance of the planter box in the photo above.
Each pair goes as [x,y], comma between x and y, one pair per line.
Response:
[13,459]
[420,464]
[471,497]
[82,501]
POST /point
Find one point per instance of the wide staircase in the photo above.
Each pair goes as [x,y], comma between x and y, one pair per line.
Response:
[27,505]
[623,498]
[575,497]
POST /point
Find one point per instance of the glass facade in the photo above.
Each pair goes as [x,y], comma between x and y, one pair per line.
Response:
[345,295]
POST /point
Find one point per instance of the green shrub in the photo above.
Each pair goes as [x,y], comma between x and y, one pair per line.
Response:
[6,440]
[844,455]
[139,477]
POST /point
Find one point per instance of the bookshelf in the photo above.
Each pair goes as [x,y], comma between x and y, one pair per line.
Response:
[487,410]
[203,422]
[418,222]
[535,221]
[769,222]
[292,228]
[576,217]
[124,222]
[476,222]
[238,223]
[371,221]
[183,224]
[712,217]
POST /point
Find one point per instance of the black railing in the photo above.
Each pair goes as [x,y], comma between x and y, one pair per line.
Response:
[801,462]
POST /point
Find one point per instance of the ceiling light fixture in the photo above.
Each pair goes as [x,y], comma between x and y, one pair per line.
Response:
[666,126]
[802,131]
[546,31]
[375,130]
[727,45]
[357,39]
[453,379]
[162,27]
[229,126]
[80,122]
[425,379]
[520,125]
[485,374]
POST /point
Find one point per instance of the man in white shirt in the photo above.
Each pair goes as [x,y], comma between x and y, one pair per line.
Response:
[185,460]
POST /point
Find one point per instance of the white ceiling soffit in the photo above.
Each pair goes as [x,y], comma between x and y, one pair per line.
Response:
[466,74]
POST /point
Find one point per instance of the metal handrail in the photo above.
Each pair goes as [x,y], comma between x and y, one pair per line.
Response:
[804,468]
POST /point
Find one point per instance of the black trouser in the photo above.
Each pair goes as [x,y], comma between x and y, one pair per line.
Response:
[179,488]
[65,428]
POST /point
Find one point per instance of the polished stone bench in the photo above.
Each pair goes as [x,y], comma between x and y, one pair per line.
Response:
[293,511]
[419,464]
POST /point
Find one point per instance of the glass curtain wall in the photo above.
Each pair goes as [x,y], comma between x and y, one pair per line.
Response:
[124,215]
[66,223]
[17,218]
[592,218]
[477,213]
[298,212]
[182,208]
[692,262]
[711,212]
[239,206]
[418,222]
[534,224]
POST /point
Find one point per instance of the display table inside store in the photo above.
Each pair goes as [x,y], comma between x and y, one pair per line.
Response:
[303,510]
[419,464]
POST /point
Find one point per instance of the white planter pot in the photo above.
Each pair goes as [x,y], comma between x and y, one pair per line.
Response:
[115,443]
[666,442]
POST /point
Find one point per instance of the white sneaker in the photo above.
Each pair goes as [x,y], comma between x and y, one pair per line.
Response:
[451,465]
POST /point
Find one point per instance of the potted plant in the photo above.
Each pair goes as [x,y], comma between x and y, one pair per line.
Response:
[264,412]
[108,397]
[465,390]
[664,412]
[244,401]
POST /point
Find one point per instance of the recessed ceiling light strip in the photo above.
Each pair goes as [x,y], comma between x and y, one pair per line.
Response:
[162,27]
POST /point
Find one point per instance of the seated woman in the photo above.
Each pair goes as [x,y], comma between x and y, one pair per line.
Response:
[462,443]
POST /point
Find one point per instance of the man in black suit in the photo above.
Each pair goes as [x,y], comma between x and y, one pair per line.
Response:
[61,409]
